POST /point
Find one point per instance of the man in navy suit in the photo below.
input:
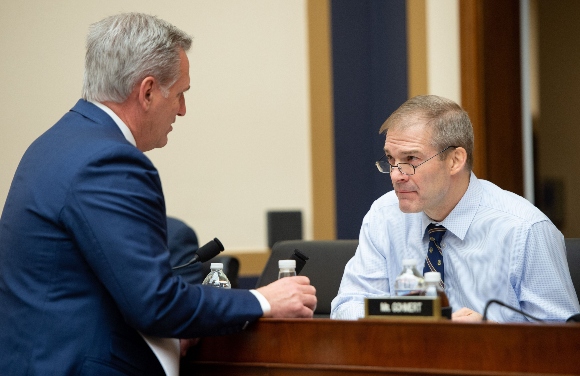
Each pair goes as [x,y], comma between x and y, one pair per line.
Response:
[84,266]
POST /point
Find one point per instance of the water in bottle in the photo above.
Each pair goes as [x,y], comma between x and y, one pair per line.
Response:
[287,268]
[432,288]
[409,281]
[217,277]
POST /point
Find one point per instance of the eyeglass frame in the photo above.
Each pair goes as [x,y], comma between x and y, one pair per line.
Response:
[378,163]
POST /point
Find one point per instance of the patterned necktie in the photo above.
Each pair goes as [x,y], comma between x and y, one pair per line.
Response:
[434,259]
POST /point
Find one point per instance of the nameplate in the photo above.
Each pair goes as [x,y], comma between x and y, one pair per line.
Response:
[417,307]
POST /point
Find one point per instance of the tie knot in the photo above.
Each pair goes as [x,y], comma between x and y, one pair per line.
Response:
[436,231]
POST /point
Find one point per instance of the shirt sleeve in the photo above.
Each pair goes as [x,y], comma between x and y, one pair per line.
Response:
[545,289]
[365,275]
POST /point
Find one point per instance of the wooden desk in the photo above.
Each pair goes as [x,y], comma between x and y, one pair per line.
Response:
[375,347]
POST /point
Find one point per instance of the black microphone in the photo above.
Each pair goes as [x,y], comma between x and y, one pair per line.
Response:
[300,260]
[507,306]
[574,318]
[204,253]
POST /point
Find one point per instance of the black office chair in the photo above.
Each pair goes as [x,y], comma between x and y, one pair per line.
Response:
[573,256]
[324,267]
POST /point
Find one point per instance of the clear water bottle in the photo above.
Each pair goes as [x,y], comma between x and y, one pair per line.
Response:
[432,288]
[287,268]
[217,277]
[410,281]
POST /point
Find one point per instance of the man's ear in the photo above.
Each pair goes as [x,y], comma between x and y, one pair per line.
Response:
[146,92]
[458,159]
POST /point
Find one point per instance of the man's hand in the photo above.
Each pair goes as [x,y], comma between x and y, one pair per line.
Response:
[466,315]
[290,297]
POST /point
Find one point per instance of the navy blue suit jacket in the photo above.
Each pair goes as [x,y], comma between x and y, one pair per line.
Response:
[84,263]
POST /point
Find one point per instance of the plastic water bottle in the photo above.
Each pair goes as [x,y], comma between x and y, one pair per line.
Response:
[410,281]
[432,288]
[287,268]
[217,277]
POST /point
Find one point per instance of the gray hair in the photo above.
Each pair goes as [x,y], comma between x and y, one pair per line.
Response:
[124,49]
[449,123]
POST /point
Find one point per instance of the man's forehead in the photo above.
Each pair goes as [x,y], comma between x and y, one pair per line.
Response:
[410,132]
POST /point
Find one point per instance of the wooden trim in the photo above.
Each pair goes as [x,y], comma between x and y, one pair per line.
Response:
[252,263]
[491,88]
[417,48]
[472,79]
[321,121]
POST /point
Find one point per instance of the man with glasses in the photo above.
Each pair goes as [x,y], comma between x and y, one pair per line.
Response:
[487,243]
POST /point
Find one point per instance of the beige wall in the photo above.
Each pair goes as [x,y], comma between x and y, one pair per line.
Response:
[433,48]
[244,146]
[443,69]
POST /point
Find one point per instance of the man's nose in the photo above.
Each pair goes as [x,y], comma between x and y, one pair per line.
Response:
[182,109]
[397,175]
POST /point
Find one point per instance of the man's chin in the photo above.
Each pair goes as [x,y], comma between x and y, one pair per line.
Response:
[409,207]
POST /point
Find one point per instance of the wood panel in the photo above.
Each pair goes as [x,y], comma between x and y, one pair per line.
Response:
[321,121]
[491,88]
[371,347]
[417,47]
[472,89]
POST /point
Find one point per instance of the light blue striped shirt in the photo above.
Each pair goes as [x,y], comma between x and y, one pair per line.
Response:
[497,246]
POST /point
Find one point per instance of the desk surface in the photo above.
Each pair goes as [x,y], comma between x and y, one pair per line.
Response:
[402,347]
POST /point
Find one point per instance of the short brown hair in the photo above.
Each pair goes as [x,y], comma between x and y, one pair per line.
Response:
[449,123]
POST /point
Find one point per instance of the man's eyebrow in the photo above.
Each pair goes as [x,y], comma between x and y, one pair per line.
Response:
[407,152]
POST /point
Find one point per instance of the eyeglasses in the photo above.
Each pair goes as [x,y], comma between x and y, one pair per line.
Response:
[404,168]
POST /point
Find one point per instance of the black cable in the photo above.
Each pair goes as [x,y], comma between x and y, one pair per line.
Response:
[507,306]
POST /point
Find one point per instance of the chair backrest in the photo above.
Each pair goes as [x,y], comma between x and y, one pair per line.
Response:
[325,266]
[573,256]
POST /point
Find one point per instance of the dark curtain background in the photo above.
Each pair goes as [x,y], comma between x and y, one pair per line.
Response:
[369,59]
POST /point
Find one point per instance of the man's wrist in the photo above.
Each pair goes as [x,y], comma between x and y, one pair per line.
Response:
[266,307]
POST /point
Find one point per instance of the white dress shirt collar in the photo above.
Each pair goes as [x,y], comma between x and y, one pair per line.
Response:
[122,126]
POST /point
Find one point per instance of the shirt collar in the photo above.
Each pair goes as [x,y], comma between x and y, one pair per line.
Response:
[460,218]
[122,126]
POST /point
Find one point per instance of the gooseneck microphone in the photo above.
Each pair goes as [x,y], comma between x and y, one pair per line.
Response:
[204,253]
[507,306]
[574,318]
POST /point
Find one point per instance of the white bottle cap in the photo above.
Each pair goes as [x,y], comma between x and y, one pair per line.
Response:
[216,265]
[432,276]
[409,262]
[287,264]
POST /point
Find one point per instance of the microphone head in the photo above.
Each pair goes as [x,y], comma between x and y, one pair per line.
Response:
[300,260]
[209,250]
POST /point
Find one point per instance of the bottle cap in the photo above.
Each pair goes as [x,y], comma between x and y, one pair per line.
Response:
[216,265]
[432,276]
[287,264]
[409,262]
